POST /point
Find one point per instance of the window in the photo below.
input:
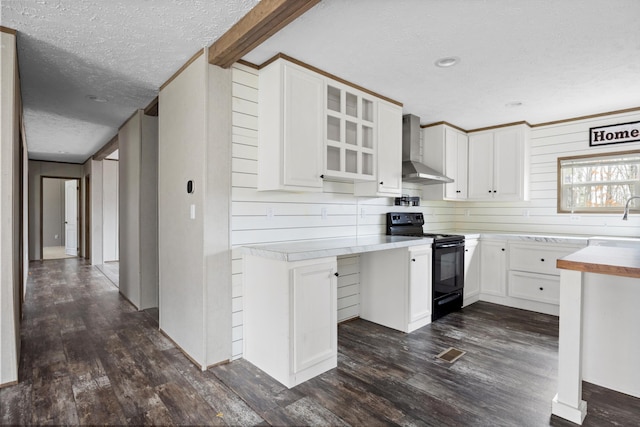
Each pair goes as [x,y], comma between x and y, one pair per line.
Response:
[599,183]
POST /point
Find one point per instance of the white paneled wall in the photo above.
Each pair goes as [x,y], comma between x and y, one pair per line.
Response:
[539,214]
[272,216]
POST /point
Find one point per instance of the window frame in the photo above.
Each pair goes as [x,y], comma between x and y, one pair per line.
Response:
[596,211]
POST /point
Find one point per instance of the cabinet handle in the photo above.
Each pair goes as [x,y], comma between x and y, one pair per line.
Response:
[381,182]
[336,274]
[541,288]
[542,259]
[458,191]
[322,176]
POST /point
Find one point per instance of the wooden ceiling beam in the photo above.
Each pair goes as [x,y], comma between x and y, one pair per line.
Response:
[264,20]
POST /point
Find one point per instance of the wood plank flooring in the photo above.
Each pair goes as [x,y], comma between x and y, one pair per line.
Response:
[89,358]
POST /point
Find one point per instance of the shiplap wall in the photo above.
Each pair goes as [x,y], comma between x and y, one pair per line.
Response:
[539,214]
[298,216]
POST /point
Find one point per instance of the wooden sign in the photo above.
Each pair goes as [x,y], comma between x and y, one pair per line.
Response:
[614,134]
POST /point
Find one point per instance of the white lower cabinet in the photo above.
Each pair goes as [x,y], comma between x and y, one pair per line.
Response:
[522,274]
[493,267]
[396,287]
[471,271]
[534,280]
[290,317]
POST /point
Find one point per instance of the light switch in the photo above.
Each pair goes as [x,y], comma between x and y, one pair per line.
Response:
[192,211]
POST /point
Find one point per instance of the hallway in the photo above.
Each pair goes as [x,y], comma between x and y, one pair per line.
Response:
[88,357]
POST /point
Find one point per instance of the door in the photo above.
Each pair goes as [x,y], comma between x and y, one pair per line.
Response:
[389,151]
[507,160]
[71,217]
[314,299]
[481,166]
[419,284]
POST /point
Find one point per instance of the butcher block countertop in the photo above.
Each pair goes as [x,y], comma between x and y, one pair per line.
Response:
[615,261]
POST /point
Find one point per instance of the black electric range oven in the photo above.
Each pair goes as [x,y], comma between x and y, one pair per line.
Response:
[448,261]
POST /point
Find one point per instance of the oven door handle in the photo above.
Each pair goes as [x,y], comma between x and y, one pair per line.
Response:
[449,245]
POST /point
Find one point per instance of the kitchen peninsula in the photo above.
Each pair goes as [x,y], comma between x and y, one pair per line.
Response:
[599,338]
[290,300]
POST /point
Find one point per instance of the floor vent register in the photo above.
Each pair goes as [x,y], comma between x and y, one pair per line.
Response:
[451,355]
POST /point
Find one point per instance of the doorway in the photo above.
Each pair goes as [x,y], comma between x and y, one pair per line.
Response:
[60,218]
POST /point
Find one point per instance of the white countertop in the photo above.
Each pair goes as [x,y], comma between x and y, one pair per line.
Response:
[309,249]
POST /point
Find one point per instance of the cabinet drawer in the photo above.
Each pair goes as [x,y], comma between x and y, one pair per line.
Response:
[537,258]
[534,287]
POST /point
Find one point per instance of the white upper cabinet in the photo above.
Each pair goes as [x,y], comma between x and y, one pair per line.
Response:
[350,133]
[291,120]
[389,154]
[313,127]
[499,164]
[445,150]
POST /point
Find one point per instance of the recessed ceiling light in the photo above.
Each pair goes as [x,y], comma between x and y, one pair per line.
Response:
[96,98]
[513,104]
[449,61]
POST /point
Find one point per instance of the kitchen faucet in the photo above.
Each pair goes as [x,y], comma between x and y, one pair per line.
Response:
[626,208]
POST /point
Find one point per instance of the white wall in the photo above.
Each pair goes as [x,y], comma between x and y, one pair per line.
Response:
[297,216]
[109,210]
[9,202]
[181,144]
[138,210]
[547,144]
[94,170]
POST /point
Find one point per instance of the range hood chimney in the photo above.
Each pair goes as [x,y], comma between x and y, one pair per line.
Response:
[413,170]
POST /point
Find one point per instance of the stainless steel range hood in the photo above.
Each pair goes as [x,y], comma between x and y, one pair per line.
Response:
[413,170]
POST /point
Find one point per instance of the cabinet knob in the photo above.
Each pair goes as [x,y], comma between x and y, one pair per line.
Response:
[336,274]
[381,182]
[502,249]
[494,191]
[466,250]
[541,288]
[542,259]
[489,191]
[413,259]
[457,191]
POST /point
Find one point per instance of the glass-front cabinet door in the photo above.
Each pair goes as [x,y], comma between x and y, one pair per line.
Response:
[350,137]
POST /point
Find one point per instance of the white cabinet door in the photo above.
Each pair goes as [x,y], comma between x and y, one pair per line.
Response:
[302,128]
[451,167]
[459,164]
[420,280]
[350,133]
[471,271]
[493,267]
[388,182]
[291,121]
[499,164]
[481,166]
[507,161]
[313,296]
[389,149]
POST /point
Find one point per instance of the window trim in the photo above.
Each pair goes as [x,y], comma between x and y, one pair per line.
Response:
[603,211]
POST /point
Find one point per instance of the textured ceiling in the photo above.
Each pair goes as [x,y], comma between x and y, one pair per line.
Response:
[120,50]
[559,58]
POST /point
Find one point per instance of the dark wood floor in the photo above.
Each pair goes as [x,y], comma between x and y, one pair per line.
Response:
[89,358]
